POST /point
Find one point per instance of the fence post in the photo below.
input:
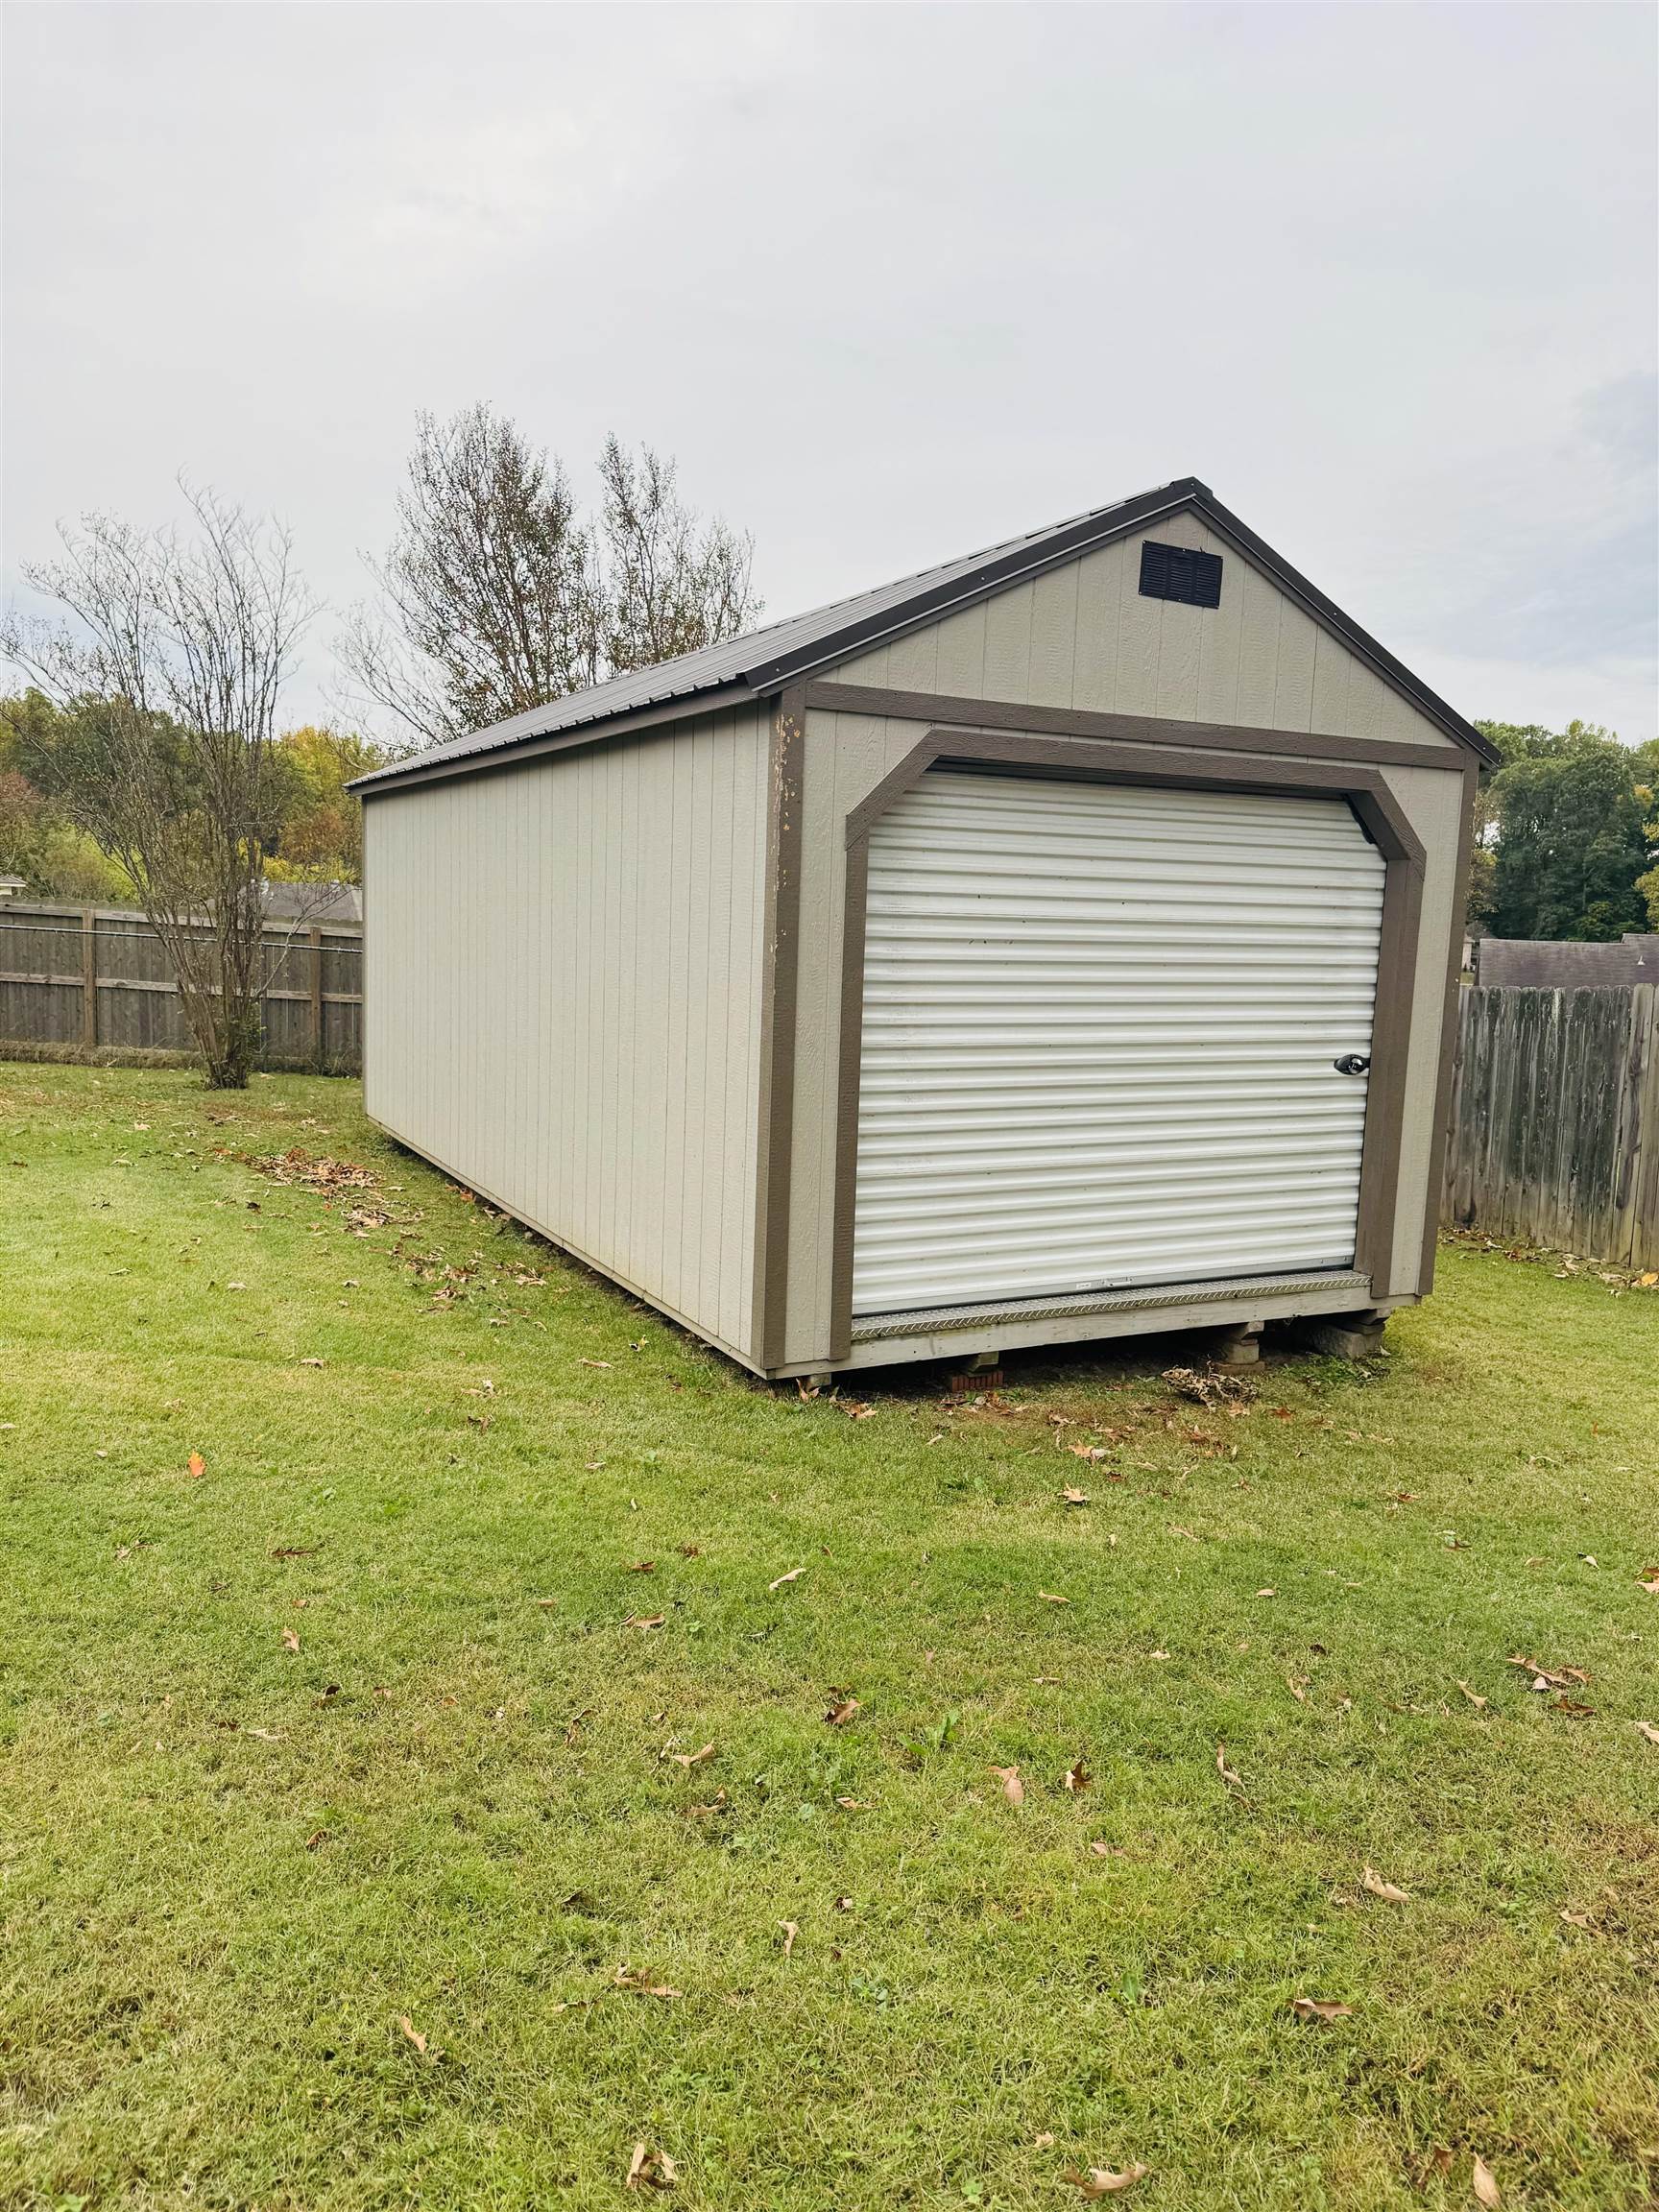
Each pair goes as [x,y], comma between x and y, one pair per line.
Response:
[88,980]
[317,1000]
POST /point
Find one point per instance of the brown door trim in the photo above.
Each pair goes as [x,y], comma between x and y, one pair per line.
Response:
[1125,729]
[1449,1026]
[1170,765]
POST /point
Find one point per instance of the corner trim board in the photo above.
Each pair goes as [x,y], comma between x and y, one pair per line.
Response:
[779,1013]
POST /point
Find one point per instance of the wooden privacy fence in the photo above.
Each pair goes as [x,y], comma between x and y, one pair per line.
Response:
[85,981]
[1555,1136]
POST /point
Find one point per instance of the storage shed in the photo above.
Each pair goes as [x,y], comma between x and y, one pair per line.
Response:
[1057,943]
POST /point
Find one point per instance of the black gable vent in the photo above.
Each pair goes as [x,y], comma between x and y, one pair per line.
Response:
[1180,573]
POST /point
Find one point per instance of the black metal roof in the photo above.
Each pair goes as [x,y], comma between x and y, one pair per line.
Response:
[763,661]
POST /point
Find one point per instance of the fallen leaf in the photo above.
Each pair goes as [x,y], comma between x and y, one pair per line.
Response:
[1013,1789]
[1648,1578]
[1176,1530]
[197,1465]
[1474,1696]
[1484,2184]
[1097,2181]
[1297,1685]
[317,1837]
[625,1978]
[643,1567]
[794,1575]
[690,1550]
[1043,2142]
[265,1735]
[791,1929]
[650,2169]
[290,1639]
[1051,1598]
[1647,1730]
[1574,1707]
[1544,1677]
[1577,1919]
[646,1621]
[1077,1777]
[842,1711]
[313,1362]
[1266,1593]
[1228,1775]
[1322,2009]
[592,1363]
[412,2032]
[1372,1881]
[689,1759]
[1087,1451]
[1074,1497]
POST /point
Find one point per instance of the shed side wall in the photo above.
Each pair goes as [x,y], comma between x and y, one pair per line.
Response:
[563,982]
[1081,636]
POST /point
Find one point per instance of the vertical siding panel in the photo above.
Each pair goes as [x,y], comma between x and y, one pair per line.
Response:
[913,662]
[1257,650]
[1179,646]
[678,1165]
[1008,645]
[650,1105]
[693,1193]
[1095,652]
[962,654]
[1218,643]
[747,924]
[716,994]
[1138,633]
[870,667]
[1366,697]
[1293,670]
[1054,636]
[1330,664]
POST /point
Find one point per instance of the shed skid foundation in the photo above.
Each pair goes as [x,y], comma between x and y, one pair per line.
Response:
[1220,1320]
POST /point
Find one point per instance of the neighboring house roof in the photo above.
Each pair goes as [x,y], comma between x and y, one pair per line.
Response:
[314,903]
[1545,964]
[765,660]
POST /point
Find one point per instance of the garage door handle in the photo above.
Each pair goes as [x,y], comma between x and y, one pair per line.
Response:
[1352,1064]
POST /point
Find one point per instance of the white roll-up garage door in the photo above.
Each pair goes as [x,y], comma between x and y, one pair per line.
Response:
[1100,1033]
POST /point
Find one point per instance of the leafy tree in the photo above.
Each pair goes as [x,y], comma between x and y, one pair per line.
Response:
[168,672]
[1565,822]
[498,595]
[320,838]
[37,839]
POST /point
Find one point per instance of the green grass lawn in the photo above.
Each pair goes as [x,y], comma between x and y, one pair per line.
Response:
[476,1797]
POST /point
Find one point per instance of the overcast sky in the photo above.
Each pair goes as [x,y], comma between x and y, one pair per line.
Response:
[892,282]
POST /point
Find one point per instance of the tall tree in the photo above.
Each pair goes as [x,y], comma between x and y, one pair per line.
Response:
[1567,827]
[170,669]
[498,595]
[667,582]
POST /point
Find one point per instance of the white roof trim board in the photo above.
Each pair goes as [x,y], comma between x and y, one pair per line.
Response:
[763,661]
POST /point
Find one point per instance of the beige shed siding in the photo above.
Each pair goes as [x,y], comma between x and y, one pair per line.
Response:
[846,755]
[1082,635]
[563,999]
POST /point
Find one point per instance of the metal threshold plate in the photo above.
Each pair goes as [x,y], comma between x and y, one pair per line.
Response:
[872,1328]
